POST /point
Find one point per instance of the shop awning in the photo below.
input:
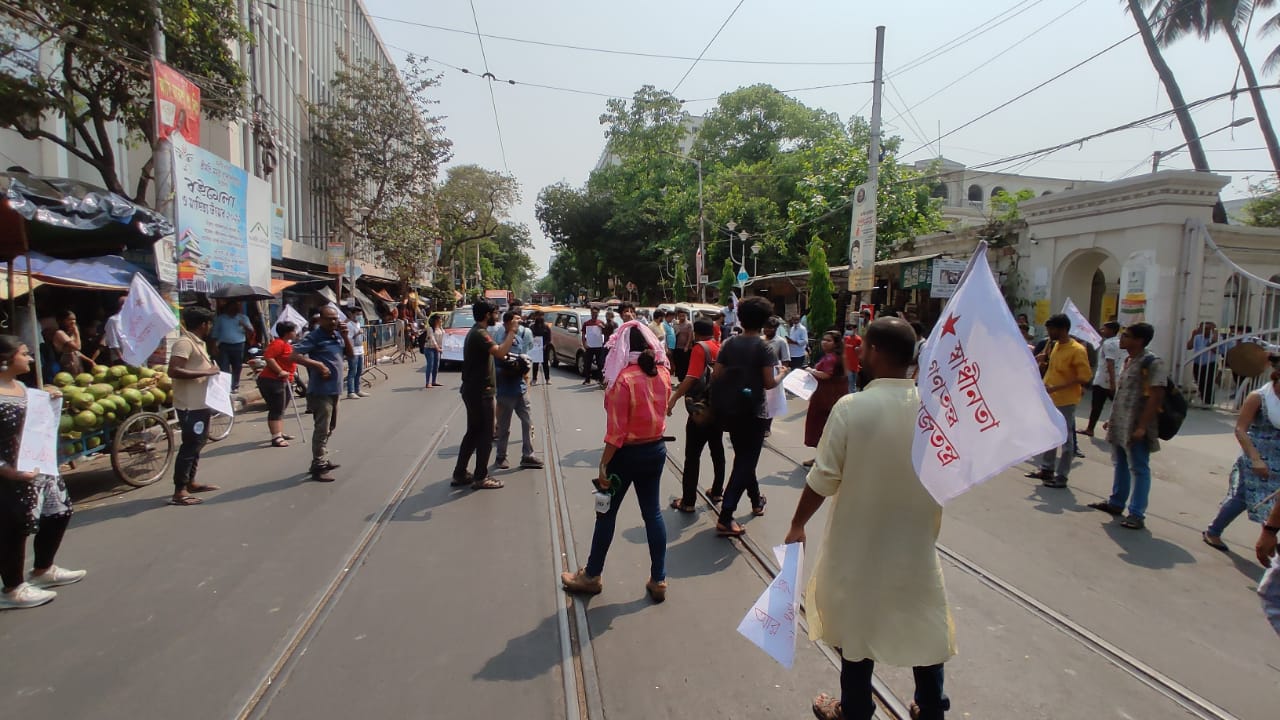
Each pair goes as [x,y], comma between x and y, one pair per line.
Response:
[906,260]
[278,286]
[384,296]
[19,285]
[107,272]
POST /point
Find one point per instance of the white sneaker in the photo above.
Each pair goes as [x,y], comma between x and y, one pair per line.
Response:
[352,396]
[362,394]
[25,596]
[57,577]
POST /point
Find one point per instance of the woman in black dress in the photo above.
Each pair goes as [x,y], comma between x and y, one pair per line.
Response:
[30,504]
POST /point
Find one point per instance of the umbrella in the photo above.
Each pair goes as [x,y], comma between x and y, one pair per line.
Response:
[241,291]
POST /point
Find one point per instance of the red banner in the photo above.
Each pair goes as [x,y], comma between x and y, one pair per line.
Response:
[177,103]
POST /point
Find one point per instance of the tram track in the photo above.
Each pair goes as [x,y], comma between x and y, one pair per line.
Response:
[306,630]
[763,563]
[1187,699]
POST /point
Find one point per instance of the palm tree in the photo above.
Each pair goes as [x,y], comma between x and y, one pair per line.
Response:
[1206,17]
[1198,159]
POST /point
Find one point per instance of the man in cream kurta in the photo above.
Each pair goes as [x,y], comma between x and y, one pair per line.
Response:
[876,592]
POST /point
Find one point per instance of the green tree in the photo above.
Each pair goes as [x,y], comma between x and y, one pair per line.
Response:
[101,73]
[728,281]
[680,282]
[407,238]
[378,148]
[1206,18]
[1263,209]
[472,204]
[1004,205]
[757,123]
[822,302]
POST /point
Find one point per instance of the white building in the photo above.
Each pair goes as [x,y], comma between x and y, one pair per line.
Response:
[296,56]
[966,194]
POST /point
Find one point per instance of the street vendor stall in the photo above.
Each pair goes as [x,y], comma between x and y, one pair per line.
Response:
[61,236]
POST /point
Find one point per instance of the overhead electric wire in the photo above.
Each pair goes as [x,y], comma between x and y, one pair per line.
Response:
[910,117]
[613,51]
[965,37]
[993,58]
[707,47]
[493,101]
[793,90]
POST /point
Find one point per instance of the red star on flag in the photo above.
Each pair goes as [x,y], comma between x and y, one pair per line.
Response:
[949,327]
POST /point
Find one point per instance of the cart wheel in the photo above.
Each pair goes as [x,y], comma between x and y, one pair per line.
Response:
[220,426]
[142,449]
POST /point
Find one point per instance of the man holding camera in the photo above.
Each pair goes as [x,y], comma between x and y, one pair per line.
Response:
[513,394]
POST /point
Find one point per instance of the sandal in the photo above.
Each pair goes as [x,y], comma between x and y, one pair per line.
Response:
[487,484]
[185,500]
[279,441]
[678,504]
[202,488]
[715,497]
[826,707]
[732,531]
[758,510]
[1216,544]
[287,436]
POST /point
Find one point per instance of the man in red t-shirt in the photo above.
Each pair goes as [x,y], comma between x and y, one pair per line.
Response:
[853,359]
[702,355]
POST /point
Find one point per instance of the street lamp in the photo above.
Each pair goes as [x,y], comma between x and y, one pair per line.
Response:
[1159,155]
[701,215]
[755,258]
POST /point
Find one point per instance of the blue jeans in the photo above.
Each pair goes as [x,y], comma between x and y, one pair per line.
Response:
[433,364]
[1135,459]
[1058,460]
[853,383]
[1269,591]
[1232,505]
[231,360]
[639,465]
[355,368]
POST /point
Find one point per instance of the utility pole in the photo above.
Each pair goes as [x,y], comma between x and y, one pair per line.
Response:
[873,170]
[702,242]
[162,161]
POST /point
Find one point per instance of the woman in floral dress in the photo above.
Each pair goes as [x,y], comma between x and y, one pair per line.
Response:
[1256,474]
[30,504]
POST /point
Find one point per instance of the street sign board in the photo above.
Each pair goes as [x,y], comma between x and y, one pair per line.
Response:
[743,276]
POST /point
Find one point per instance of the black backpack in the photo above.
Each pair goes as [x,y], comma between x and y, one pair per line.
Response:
[1174,408]
[698,400]
[732,398]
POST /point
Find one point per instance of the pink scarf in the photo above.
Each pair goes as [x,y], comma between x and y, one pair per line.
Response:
[621,355]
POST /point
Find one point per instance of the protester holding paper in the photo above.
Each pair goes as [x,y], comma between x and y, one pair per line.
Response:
[30,504]
[1068,371]
[542,330]
[832,385]
[190,367]
[876,591]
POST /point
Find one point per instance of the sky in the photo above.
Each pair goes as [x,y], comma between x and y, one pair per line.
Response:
[552,135]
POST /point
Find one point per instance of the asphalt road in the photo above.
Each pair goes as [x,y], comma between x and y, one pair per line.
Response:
[388,594]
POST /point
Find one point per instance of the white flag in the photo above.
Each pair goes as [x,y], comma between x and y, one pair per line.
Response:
[983,406]
[288,314]
[144,321]
[771,622]
[1080,327]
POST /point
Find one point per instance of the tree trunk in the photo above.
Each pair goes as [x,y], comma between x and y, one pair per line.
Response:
[1259,107]
[1198,159]
[1194,148]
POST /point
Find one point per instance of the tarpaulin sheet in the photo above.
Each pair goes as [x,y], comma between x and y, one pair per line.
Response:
[105,272]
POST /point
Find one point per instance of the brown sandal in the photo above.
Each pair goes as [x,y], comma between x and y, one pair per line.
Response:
[826,707]
[678,504]
[734,530]
[487,484]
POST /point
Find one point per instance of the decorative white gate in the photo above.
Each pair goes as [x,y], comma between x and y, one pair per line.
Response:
[1237,307]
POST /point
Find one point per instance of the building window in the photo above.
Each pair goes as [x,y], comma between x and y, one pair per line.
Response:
[996,190]
[939,191]
[1271,305]
[975,193]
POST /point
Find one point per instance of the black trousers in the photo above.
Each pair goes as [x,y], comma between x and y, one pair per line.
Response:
[1100,397]
[747,437]
[855,690]
[1206,377]
[680,362]
[195,434]
[479,437]
[695,438]
[13,549]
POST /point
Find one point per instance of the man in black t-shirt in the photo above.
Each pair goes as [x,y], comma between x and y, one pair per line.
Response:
[747,355]
[479,387]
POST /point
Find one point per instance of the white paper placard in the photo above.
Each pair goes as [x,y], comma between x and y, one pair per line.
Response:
[775,402]
[771,622]
[38,446]
[536,355]
[595,336]
[217,394]
[800,383]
